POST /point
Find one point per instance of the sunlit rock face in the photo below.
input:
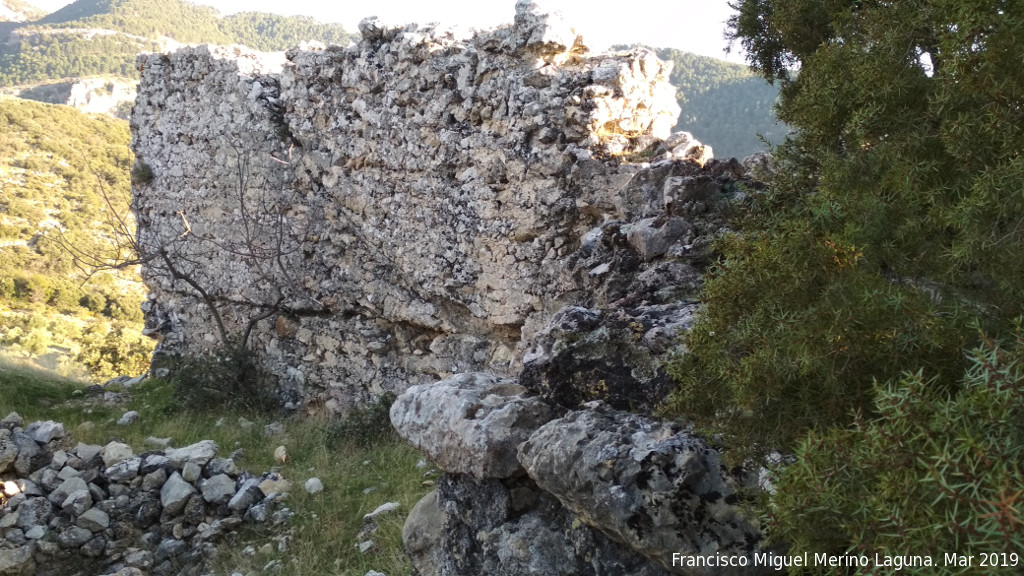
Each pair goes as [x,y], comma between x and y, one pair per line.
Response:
[400,210]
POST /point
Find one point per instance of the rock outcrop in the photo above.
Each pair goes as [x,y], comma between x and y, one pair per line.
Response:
[75,508]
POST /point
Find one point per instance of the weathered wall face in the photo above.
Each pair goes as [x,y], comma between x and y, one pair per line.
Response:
[399,210]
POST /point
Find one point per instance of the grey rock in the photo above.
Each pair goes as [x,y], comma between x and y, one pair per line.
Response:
[139,559]
[87,452]
[653,237]
[68,472]
[153,462]
[94,519]
[314,486]
[651,485]
[73,537]
[12,421]
[583,354]
[35,533]
[248,493]
[17,561]
[175,494]
[191,472]
[484,533]
[125,470]
[195,510]
[469,423]
[115,452]
[128,418]
[8,451]
[382,510]
[59,459]
[222,466]
[77,502]
[30,458]
[66,488]
[199,454]
[218,489]
[154,480]
[423,535]
[273,429]
[45,431]
[93,548]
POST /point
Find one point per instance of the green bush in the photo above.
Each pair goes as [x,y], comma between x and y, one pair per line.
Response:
[227,378]
[794,333]
[363,426]
[932,474]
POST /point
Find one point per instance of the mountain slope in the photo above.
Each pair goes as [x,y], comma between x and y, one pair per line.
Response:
[56,165]
[723,104]
[102,37]
[18,11]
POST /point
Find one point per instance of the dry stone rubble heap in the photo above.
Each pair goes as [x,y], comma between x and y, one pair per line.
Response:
[68,507]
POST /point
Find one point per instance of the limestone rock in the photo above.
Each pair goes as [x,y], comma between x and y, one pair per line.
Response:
[12,421]
[469,423]
[8,451]
[652,237]
[422,535]
[616,356]
[199,454]
[128,418]
[218,489]
[115,452]
[175,494]
[124,470]
[17,561]
[94,519]
[653,486]
[314,486]
[45,431]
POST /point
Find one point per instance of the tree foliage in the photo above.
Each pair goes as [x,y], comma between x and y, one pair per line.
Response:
[907,153]
[893,231]
[933,474]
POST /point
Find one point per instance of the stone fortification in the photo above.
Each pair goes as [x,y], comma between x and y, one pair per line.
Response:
[393,212]
[500,227]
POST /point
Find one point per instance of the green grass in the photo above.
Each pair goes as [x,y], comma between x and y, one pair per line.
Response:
[324,528]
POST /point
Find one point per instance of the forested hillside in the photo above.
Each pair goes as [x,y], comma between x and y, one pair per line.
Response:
[102,37]
[58,167]
[723,104]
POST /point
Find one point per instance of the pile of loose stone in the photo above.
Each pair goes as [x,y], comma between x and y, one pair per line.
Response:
[74,508]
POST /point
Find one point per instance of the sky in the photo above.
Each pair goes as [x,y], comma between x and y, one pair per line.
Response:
[692,25]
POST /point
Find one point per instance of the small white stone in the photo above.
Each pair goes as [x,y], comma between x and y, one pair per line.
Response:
[314,486]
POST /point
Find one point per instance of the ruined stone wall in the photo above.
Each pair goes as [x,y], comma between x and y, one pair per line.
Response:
[393,212]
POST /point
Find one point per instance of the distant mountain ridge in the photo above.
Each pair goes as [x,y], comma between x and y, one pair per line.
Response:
[102,37]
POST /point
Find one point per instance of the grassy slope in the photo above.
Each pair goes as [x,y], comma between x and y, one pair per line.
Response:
[324,528]
[56,164]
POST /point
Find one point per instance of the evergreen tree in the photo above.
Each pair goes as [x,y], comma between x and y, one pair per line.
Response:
[894,230]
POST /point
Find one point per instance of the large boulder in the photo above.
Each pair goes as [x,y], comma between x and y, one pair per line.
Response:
[653,486]
[470,423]
[510,527]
